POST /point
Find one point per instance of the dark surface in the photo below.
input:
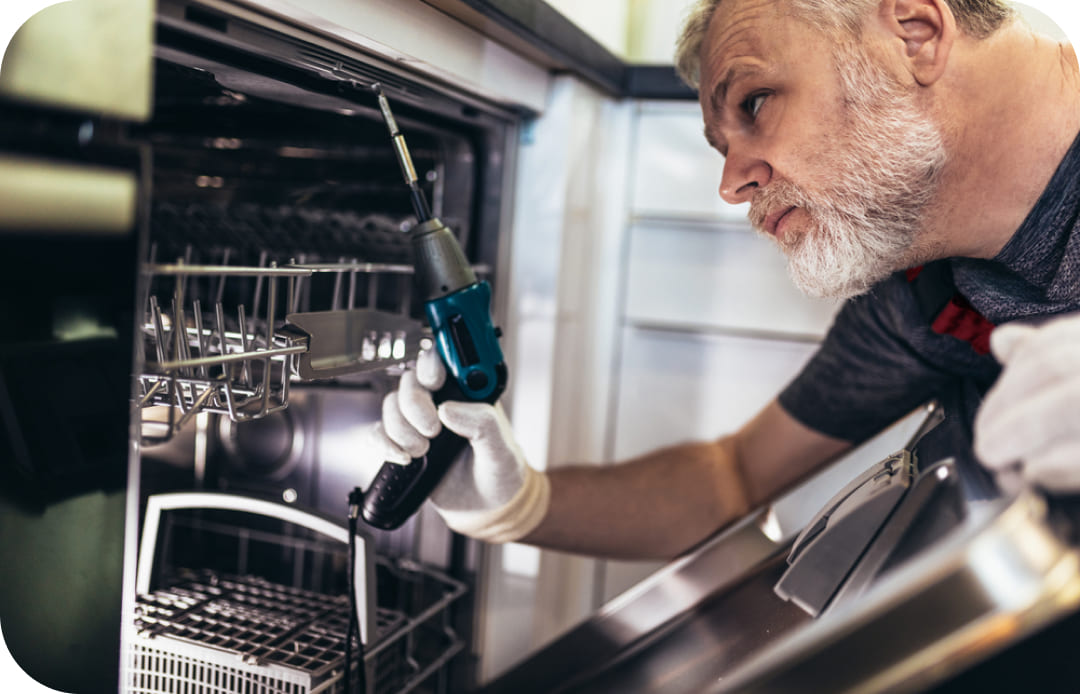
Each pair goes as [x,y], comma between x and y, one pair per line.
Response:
[67,310]
[1044,663]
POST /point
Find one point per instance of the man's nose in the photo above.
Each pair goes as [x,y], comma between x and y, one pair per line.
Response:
[743,176]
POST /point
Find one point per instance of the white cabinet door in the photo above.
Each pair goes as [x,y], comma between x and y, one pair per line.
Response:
[726,278]
[676,174]
[677,387]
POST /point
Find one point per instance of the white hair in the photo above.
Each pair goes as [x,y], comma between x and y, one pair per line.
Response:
[977,18]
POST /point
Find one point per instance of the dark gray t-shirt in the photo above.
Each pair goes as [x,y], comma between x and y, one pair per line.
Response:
[881,359]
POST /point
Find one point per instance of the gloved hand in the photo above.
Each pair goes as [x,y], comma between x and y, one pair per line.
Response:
[490,494]
[1031,416]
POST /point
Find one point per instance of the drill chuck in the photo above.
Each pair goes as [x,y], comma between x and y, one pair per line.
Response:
[441,267]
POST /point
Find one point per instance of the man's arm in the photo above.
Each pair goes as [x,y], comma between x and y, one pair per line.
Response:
[665,502]
[656,506]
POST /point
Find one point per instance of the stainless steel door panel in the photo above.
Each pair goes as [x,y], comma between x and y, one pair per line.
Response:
[741,561]
[999,572]
[998,579]
[694,653]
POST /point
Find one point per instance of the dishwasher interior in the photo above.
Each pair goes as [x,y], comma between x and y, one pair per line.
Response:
[278,222]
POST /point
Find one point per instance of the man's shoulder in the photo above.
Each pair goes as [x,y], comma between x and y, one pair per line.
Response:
[890,304]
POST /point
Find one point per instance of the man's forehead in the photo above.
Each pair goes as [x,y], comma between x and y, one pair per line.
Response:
[736,29]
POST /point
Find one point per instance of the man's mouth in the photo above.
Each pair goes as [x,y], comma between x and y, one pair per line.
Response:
[772,222]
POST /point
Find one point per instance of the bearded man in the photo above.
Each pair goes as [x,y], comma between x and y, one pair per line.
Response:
[918,157]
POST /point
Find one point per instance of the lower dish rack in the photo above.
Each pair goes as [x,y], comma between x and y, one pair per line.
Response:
[239,595]
[209,633]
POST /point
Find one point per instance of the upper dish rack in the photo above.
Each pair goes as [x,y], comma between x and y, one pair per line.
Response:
[215,326]
[208,352]
[239,361]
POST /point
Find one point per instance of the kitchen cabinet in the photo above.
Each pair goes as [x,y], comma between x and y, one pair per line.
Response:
[710,326]
[716,277]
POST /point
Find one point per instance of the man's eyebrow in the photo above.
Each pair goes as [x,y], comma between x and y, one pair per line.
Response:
[733,73]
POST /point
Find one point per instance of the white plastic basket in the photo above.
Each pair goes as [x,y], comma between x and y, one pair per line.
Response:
[206,632]
[211,634]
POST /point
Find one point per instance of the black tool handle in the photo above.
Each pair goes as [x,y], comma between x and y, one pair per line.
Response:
[398,490]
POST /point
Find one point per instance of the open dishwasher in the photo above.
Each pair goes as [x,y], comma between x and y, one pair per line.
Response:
[278,308]
[184,245]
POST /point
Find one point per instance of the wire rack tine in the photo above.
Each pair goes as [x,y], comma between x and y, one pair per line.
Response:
[271,308]
[147,286]
[303,299]
[196,406]
[245,346]
[335,303]
[178,399]
[258,285]
[221,278]
[179,322]
[352,286]
[160,342]
[230,400]
[373,289]
[150,393]
[203,351]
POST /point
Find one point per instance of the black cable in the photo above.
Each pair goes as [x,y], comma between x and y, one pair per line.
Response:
[355,497]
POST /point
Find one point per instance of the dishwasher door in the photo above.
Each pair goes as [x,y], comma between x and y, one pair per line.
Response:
[75,81]
[943,586]
[713,607]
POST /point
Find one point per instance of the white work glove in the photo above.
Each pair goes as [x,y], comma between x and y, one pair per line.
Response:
[1031,417]
[490,494]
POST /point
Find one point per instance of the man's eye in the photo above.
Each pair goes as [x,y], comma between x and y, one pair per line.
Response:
[753,104]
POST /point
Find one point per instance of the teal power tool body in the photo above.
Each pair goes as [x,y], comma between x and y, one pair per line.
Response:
[458,309]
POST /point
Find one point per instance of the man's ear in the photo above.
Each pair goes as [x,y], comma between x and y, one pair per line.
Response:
[924,32]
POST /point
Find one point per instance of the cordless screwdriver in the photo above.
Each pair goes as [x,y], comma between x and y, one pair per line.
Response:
[458,309]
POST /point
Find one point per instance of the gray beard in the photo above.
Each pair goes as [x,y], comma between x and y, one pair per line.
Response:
[868,223]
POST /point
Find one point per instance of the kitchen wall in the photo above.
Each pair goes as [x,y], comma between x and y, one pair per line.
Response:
[710,327]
